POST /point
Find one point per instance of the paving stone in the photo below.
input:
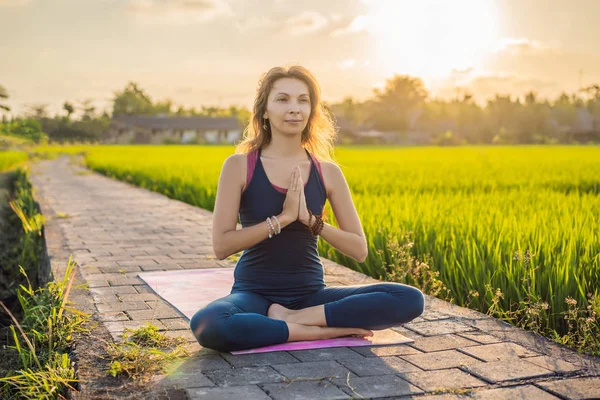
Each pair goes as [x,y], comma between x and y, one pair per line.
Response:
[120,269]
[161,267]
[112,316]
[507,370]
[139,297]
[105,298]
[256,359]
[512,393]
[89,270]
[490,324]
[247,392]
[442,379]
[381,351]
[133,263]
[378,366]
[244,376]
[553,364]
[327,354]
[186,334]
[312,369]
[377,386]
[498,351]
[98,284]
[442,342]
[202,362]
[143,289]
[122,306]
[113,290]
[574,388]
[119,326]
[442,327]
[175,323]
[157,313]
[180,256]
[182,379]
[124,281]
[480,337]
[432,315]
[441,359]
[322,390]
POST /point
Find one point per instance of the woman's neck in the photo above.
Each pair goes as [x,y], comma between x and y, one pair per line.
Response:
[283,148]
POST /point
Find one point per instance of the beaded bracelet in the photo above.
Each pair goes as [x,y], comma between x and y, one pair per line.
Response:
[278,225]
[271,228]
[317,227]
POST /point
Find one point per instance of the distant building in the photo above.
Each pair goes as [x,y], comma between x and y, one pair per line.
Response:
[162,128]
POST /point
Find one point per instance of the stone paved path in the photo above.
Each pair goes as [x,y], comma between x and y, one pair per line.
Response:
[116,230]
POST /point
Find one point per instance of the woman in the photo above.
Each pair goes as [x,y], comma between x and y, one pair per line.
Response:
[278,181]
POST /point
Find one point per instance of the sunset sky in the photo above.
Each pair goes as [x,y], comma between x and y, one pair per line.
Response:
[212,52]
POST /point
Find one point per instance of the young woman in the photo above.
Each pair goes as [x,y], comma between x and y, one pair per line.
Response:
[278,182]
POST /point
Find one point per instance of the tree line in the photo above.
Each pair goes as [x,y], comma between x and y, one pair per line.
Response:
[403,106]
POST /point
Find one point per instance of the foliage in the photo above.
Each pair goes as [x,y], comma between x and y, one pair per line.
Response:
[144,351]
[45,333]
[30,129]
[9,159]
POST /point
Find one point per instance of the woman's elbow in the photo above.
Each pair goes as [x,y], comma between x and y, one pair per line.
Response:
[219,251]
[362,256]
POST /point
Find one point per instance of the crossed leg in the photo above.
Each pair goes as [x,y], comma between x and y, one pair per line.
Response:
[375,306]
[239,321]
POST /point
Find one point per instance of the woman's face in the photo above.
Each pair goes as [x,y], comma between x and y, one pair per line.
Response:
[288,106]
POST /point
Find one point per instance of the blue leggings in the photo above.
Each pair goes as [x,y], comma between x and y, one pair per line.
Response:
[238,321]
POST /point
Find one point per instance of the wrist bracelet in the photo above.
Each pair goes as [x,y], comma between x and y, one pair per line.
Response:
[271,228]
[278,225]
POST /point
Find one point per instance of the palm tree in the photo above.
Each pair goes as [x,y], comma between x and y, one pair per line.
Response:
[3,95]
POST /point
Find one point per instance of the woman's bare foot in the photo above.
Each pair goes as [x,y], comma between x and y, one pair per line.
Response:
[277,311]
[306,332]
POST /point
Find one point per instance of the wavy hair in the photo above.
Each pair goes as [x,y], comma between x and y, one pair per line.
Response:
[319,134]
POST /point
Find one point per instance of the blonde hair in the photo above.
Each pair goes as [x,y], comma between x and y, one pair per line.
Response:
[319,134]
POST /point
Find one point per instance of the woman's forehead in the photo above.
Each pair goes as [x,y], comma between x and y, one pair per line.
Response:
[290,86]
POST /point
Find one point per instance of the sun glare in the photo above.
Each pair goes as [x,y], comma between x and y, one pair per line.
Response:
[429,38]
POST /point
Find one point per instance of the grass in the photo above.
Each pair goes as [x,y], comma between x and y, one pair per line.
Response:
[42,341]
[144,352]
[11,159]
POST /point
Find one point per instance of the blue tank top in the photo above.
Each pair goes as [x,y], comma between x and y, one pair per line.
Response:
[286,265]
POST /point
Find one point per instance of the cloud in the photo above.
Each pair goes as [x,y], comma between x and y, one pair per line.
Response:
[360,23]
[178,11]
[252,23]
[304,23]
[353,63]
[522,46]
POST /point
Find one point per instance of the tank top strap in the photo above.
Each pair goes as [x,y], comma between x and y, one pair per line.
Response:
[252,157]
[316,163]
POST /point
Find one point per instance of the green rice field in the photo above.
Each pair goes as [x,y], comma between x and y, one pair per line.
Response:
[9,159]
[525,220]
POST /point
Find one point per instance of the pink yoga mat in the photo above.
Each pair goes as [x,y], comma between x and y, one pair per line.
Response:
[191,290]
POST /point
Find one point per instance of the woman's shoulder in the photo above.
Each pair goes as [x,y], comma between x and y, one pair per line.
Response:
[330,173]
[244,164]
[235,168]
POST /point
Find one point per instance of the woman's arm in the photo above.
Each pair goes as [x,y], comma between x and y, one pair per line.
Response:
[349,238]
[226,238]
